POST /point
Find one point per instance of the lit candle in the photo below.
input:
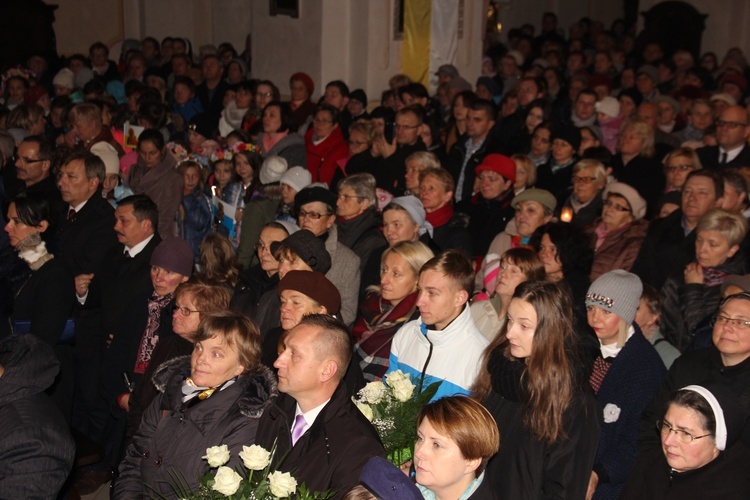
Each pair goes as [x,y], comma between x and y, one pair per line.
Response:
[213,190]
[567,214]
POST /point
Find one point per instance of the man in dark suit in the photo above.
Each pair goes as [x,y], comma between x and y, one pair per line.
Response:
[732,132]
[104,298]
[211,91]
[318,431]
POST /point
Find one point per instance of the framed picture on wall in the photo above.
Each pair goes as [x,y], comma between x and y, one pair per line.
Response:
[285,8]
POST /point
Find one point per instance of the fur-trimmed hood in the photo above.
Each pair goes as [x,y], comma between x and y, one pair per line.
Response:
[259,389]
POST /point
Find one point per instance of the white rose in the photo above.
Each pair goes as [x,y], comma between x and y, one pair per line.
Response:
[217,455]
[395,377]
[611,413]
[255,457]
[403,390]
[282,484]
[366,410]
[373,392]
[226,481]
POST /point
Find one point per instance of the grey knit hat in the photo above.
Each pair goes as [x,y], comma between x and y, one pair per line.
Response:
[617,291]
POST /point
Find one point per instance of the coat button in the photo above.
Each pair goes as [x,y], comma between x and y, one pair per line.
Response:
[146,454]
[157,462]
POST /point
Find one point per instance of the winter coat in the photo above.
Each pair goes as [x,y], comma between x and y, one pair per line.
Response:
[344,274]
[174,439]
[195,220]
[487,218]
[685,306]
[454,235]
[256,214]
[188,110]
[163,184]
[36,449]
[645,175]
[331,453]
[630,383]
[251,285]
[724,478]
[361,234]
[619,248]
[322,157]
[291,148]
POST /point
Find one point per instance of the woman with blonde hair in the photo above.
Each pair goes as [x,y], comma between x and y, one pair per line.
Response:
[635,165]
[388,306]
[677,165]
[532,381]
[525,173]
[625,377]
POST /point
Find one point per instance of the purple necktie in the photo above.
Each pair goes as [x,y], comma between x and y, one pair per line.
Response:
[299,428]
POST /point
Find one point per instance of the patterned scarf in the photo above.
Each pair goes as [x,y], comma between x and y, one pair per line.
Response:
[374,330]
[713,276]
[150,336]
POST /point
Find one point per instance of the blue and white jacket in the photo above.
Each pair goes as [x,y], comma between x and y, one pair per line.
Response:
[452,356]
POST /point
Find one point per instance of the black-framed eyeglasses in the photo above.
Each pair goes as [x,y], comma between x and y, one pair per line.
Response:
[184,310]
[303,214]
[17,157]
[683,437]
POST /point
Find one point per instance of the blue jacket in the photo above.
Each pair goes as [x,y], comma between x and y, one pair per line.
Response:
[194,219]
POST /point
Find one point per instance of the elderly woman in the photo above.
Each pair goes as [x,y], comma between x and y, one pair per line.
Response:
[532,383]
[315,207]
[300,293]
[534,208]
[517,266]
[278,137]
[525,173]
[456,436]
[620,231]
[691,295]
[388,306]
[625,377]
[415,163]
[216,396]
[699,455]
[634,163]
[436,189]
[357,225]
[300,251]
[677,165]
[192,301]
[194,216]
[325,144]
[155,175]
[43,302]
[585,203]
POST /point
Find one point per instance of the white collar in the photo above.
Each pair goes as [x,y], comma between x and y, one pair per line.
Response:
[136,249]
[611,350]
[310,415]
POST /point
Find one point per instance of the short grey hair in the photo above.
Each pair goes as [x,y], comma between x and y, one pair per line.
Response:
[363,186]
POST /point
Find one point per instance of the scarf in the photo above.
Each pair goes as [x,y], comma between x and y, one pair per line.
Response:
[150,336]
[374,330]
[441,216]
[34,251]
[713,276]
[506,376]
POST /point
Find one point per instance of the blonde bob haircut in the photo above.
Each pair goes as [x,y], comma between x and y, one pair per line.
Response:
[731,226]
[644,131]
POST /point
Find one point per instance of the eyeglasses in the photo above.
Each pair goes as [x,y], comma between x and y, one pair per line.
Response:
[583,180]
[266,94]
[183,310]
[675,168]
[615,206]
[683,437]
[261,247]
[732,125]
[740,324]
[311,215]
[17,158]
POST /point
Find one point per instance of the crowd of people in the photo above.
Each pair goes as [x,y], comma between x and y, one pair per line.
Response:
[191,259]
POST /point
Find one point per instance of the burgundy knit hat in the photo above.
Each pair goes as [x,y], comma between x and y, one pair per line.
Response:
[316,286]
[34,94]
[304,78]
[175,255]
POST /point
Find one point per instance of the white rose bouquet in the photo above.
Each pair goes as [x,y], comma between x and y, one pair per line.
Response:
[258,481]
[392,407]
